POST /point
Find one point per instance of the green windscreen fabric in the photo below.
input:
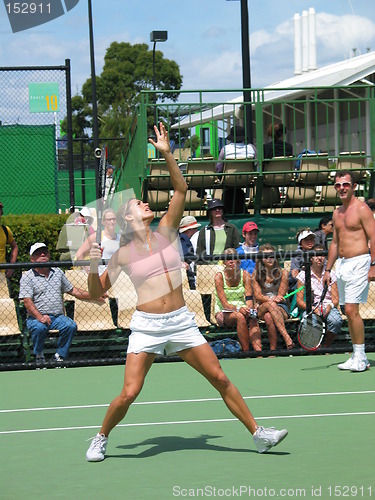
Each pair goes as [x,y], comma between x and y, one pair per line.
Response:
[28,167]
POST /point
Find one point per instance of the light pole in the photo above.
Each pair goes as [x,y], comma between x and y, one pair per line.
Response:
[95,128]
[156,36]
[246,79]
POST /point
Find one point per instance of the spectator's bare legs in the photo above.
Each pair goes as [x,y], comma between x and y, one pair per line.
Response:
[245,333]
[271,329]
[329,337]
[255,334]
[277,314]
[238,320]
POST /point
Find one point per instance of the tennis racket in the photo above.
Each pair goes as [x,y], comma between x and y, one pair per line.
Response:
[294,292]
[312,327]
[102,174]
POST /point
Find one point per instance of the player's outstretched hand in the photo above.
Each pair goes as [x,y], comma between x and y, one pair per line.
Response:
[162,139]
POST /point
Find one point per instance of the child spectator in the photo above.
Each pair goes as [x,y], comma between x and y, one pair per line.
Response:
[324,230]
[305,240]
[250,233]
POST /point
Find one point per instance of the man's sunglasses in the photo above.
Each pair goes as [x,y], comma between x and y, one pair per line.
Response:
[345,185]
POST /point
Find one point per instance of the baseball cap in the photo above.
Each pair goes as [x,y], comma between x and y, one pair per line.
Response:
[304,235]
[215,203]
[249,226]
[36,246]
[188,222]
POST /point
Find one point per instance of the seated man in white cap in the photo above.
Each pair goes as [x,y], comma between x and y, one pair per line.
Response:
[306,241]
[188,236]
[42,290]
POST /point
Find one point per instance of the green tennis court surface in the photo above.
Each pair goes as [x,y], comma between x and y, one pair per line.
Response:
[179,440]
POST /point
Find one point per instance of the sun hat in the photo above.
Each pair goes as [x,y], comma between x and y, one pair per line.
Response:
[215,203]
[86,213]
[188,222]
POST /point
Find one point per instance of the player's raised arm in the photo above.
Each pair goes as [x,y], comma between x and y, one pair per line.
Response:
[177,204]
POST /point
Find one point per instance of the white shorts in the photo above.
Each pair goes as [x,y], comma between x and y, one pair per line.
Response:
[164,333]
[352,279]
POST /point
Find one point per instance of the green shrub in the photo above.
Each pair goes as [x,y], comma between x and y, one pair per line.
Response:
[27,229]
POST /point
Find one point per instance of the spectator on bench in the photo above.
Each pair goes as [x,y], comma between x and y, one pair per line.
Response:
[329,309]
[110,240]
[305,240]
[323,231]
[250,233]
[238,148]
[270,284]
[234,302]
[277,145]
[42,290]
[187,229]
[219,234]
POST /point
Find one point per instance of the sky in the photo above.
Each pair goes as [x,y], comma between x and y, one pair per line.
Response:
[204,37]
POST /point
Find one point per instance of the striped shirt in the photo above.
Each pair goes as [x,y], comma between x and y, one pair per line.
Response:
[45,292]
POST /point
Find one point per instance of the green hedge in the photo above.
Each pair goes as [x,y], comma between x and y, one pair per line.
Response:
[28,229]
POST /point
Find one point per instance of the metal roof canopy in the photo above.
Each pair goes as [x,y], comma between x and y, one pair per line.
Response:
[341,74]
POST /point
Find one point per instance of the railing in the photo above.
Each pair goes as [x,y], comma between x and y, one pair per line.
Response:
[335,125]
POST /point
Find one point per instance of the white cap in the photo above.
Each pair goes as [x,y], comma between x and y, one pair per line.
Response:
[304,235]
[35,247]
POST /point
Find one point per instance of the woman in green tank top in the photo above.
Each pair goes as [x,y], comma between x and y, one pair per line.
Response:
[234,306]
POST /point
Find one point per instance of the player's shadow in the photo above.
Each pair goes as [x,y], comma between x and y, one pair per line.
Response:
[329,365]
[167,444]
[321,367]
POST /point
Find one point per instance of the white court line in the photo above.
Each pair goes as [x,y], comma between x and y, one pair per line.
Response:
[176,401]
[183,422]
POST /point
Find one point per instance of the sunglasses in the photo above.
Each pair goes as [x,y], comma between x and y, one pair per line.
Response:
[345,185]
[267,257]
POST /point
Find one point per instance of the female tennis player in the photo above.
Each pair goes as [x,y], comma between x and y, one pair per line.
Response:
[161,323]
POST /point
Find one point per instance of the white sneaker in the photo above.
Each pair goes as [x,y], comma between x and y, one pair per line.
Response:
[360,364]
[355,364]
[97,448]
[266,438]
[348,364]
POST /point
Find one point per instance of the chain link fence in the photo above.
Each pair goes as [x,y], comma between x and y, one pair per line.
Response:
[43,169]
[33,104]
[103,329]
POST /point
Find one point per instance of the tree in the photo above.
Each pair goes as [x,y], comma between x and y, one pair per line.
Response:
[128,69]
[81,117]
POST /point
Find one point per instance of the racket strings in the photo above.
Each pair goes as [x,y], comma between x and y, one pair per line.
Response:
[311,332]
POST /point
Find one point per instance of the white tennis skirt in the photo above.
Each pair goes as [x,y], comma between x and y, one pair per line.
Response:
[164,333]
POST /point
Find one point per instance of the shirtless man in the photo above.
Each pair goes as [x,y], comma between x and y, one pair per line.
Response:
[353,234]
